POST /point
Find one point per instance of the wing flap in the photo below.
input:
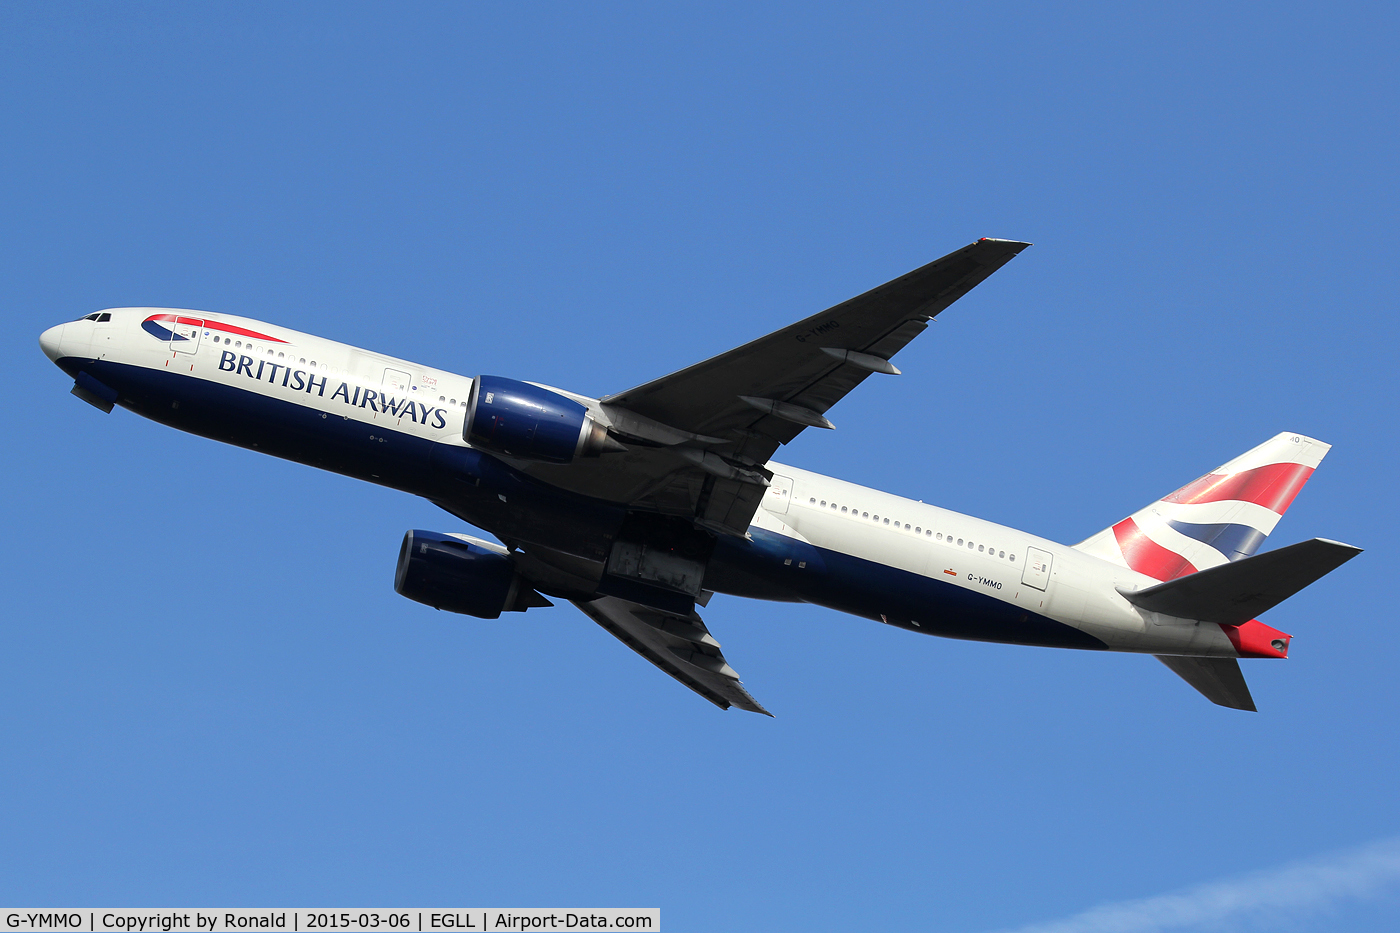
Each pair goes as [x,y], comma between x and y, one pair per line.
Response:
[1234,593]
[1219,680]
[680,645]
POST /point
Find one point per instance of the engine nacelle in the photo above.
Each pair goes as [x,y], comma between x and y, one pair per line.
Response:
[521,420]
[446,572]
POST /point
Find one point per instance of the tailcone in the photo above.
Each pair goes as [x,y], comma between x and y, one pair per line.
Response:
[1254,639]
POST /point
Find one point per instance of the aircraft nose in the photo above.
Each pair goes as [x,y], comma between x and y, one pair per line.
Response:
[51,342]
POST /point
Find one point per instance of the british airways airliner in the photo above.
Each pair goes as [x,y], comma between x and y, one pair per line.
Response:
[639,506]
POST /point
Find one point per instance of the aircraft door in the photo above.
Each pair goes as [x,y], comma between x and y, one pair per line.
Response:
[1037,572]
[397,381]
[778,496]
[184,334]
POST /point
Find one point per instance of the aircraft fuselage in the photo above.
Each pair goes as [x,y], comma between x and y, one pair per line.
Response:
[814,539]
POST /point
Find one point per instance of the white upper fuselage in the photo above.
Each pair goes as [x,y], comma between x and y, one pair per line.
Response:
[334,379]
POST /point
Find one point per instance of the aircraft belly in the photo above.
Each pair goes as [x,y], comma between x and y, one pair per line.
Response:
[269,425]
[473,486]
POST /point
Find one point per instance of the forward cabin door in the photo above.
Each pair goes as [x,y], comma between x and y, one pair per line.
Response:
[184,334]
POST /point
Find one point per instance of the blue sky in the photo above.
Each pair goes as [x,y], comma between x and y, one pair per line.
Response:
[212,696]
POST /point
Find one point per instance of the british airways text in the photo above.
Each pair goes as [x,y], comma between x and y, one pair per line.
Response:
[353,395]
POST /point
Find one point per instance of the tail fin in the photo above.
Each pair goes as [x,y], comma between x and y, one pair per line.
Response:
[1221,517]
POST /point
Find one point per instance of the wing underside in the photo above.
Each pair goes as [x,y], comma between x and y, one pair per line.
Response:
[680,645]
[698,438]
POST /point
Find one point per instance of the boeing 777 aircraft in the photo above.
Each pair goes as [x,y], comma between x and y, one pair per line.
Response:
[639,506]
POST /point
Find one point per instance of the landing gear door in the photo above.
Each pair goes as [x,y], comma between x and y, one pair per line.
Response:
[184,334]
[778,496]
[1037,572]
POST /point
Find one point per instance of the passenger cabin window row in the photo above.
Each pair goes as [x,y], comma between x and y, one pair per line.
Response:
[301,361]
[926,532]
[249,348]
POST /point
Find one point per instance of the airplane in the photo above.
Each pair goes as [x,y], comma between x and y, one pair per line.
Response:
[639,506]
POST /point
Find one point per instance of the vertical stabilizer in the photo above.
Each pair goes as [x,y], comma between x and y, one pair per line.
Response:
[1223,516]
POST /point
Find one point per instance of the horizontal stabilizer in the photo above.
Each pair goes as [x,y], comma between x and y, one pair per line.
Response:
[1234,593]
[1218,679]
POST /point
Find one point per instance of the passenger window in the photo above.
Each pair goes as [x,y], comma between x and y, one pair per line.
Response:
[843,510]
[980,548]
[823,503]
[929,533]
[1001,554]
[238,344]
[1013,558]
[960,542]
[906,526]
[864,514]
[813,499]
[280,356]
[918,530]
[887,521]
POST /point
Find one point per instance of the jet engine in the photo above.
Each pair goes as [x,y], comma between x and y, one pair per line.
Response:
[522,420]
[461,575]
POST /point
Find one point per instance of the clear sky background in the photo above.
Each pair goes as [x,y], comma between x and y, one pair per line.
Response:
[210,694]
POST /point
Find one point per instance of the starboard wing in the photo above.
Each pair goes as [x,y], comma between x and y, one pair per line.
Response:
[699,437]
[812,364]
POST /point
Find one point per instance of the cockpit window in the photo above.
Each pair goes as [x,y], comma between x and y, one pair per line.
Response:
[89,317]
[104,316]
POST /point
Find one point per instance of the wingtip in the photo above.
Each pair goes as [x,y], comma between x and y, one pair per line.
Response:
[1018,244]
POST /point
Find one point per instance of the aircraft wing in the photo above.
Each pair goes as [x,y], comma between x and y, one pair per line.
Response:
[698,438]
[679,645]
[812,364]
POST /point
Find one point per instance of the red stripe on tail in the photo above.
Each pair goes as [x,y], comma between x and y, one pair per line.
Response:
[1147,556]
[1272,486]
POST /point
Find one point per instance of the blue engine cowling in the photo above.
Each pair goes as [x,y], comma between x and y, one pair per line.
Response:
[522,420]
[448,573]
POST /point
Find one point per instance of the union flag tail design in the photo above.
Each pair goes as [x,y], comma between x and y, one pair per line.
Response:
[1223,516]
